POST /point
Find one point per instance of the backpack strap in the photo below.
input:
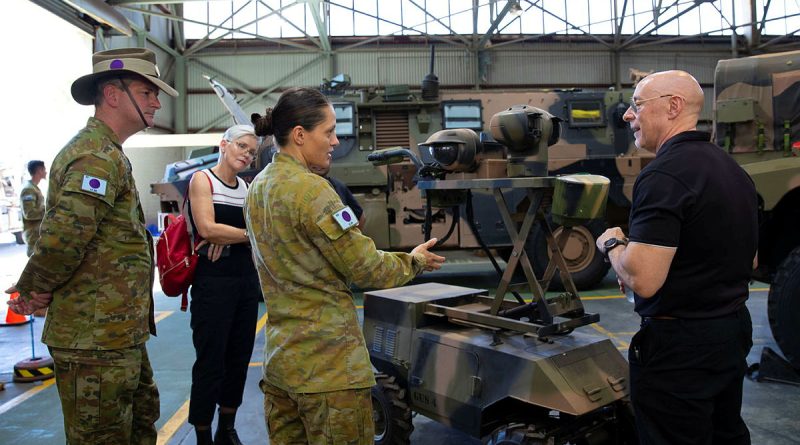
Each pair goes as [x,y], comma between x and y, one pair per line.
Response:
[210,184]
[195,236]
[185,198]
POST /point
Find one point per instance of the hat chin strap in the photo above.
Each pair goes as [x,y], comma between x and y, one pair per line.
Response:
[136,105]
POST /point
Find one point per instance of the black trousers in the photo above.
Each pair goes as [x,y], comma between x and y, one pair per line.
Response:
[224,315]
[686,379]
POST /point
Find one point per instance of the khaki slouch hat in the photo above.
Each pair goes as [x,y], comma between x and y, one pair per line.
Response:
[139,61]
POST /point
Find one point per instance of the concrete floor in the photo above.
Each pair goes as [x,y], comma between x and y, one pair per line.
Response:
[30,412]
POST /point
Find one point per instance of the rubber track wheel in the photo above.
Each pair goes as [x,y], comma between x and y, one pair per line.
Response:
[389,399]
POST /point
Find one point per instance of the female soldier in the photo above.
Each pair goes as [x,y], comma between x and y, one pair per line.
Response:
[308,250]
[225,291]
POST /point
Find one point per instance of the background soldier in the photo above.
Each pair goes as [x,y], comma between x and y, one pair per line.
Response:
[93,263]
[32,204]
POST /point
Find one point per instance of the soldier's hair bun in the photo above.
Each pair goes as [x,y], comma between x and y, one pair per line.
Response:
[297,106]
[263,124]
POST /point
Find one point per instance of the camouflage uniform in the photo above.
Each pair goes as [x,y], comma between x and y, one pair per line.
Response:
[95,256]
[342,417]
[32,213]
[306,262]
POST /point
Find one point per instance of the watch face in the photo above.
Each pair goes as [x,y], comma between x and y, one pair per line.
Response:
[611,242]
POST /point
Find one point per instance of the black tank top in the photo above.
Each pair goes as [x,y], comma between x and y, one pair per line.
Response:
[229,210]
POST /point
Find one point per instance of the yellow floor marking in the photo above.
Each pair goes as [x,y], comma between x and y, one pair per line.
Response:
[162,315]
[609,334]
[261,322]
[179,418]
[593,297]
[173,424]
[13,403]
[603,297]
[16,401]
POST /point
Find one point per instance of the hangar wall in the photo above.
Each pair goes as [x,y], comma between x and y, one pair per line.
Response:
[521,66]
[258,76]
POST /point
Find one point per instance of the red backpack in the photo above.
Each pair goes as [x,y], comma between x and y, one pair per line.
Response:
[176,259]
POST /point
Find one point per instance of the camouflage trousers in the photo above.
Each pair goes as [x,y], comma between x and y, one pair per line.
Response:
[326,418]
[107,397]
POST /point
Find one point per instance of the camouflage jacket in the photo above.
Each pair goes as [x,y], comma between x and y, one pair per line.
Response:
[306,262]
[94,253]
[32,202]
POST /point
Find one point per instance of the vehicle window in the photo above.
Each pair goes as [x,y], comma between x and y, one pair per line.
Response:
[462,114]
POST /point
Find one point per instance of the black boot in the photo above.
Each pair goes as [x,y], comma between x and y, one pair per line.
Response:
[226,433]
[203,436]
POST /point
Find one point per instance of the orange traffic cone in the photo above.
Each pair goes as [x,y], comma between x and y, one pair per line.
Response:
[13,318]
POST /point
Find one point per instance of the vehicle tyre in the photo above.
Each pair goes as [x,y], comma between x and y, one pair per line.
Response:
[512,434]
[391,412]
[584,261]
[783,307]
[18,238]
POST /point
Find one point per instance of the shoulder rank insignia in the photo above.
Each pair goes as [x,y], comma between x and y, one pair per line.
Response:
[94,185]
[346,218]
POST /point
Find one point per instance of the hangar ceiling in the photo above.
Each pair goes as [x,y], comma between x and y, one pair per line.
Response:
[312,33]
[325,26]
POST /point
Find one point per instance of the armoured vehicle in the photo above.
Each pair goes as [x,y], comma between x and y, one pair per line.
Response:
[757,120]
[593,139]
[508,372]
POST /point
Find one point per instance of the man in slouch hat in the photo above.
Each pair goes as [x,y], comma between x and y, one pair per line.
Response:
[93,263]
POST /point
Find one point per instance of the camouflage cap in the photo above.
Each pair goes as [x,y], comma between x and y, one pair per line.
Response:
[140,61]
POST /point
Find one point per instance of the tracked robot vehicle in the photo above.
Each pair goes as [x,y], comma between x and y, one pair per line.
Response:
[506,371]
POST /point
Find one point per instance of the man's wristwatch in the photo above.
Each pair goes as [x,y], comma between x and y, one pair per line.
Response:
[612,243]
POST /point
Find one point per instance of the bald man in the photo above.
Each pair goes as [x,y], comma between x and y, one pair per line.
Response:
[692,238]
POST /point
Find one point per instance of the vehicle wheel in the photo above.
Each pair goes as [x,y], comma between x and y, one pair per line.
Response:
[391,412]
[584,262]
[783,307]
[512,434]
[18,238]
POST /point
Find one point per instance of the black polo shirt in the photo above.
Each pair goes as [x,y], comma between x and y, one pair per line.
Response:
[695,197]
